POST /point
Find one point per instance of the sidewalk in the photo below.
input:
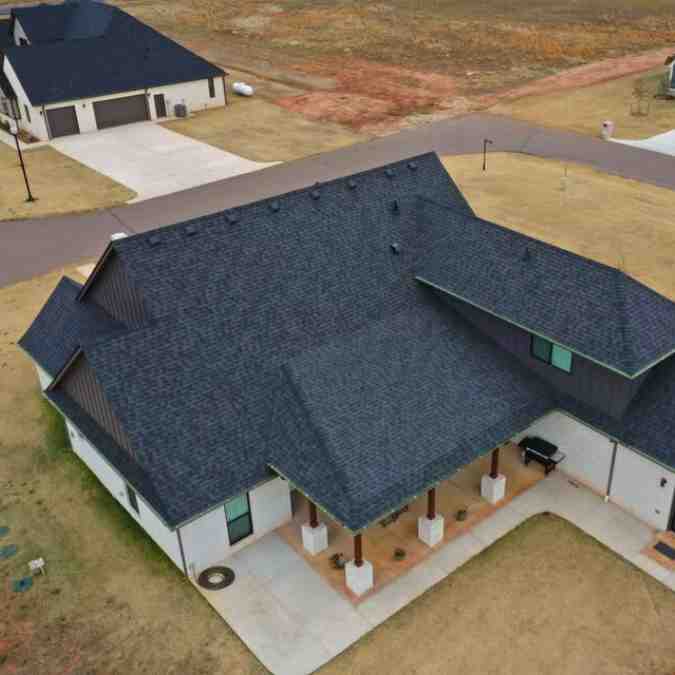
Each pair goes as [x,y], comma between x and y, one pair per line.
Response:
[294,622]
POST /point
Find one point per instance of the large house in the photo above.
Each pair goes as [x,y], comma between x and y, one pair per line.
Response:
[358,341]
[84,65]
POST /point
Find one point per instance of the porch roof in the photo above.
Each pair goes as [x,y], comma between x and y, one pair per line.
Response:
[375,418]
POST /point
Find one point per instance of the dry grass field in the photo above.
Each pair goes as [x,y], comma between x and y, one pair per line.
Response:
[263,132]
[583,110]
[59,184]
[616,221]
[546,598]
[372,64]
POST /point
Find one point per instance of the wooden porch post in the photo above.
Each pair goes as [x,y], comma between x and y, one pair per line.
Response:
[494,470]
[431,504]
[313,515]
[358,551]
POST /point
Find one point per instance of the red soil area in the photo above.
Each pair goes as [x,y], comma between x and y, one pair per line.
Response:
[379,99]
[367,93]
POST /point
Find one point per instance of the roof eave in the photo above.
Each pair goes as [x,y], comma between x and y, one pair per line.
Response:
[615,369]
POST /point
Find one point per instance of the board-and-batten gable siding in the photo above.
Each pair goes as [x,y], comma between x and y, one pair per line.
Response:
[588,382]
[81,385]
[113,291]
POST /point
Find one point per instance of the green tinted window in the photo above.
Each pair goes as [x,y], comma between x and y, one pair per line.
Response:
[541,348]
[236,508]
[561,358]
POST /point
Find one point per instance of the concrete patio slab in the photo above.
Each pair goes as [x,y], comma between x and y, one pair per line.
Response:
[294,621]
[153,161]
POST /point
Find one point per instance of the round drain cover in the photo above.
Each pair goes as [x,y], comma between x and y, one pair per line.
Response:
[215,578]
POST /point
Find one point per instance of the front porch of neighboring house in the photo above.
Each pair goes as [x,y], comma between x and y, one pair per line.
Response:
[370,560]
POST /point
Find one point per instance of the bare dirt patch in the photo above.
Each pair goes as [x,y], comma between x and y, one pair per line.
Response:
[619,222]
[546,598]
[381,66]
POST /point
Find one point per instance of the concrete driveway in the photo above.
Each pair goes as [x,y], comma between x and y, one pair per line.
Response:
[663,143]
[151,160]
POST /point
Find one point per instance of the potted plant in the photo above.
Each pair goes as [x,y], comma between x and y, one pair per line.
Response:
[399,554]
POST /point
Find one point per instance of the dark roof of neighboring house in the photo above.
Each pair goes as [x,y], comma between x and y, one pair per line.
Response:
[590,308]
[87,49]
[291,333]
[75,324]
[374,417]
[5,35]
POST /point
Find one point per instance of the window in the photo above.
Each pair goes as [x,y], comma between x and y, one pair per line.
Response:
[133,501]
[551,353]
[238,517]
[212,88]
[27,113]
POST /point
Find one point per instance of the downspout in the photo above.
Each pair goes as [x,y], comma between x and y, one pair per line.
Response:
[182,551]
[611,471]
[46,119]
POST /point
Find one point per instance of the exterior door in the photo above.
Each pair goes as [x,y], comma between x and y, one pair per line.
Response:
[117,111]
[238,517]
[63,121]
[160,105]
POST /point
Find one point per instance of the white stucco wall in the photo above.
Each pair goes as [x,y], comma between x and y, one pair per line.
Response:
[44,377]
[19,33]
[36,126]
[671,89]
[164,537]
[636,487]
[194,94]
[205,540]
[589,454]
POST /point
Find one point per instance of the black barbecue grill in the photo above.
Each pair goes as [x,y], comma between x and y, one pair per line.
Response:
[539,450]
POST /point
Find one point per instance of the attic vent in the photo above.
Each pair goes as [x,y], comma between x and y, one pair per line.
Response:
[395,248]
[412,166]
[153,240]
[351,184]
[275,206]
[527,256]
[390,173]
[395,206]
[315,194]
[232,218]
[190,230]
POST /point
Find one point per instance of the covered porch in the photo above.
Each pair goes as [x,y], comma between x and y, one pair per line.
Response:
[399,541]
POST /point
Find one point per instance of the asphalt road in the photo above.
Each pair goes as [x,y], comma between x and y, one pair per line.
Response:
[32,247]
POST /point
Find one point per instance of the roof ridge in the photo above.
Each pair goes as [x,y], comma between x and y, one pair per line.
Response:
[288,377]
[121,244]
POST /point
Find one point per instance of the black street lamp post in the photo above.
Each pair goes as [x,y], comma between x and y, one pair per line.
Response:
[14,129]
[486,142]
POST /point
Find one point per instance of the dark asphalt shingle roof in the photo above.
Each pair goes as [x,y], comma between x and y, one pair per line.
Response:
[91,49]
[63,325]
[234,301]
[6,38]
[377,416]
[116,456]
[288,332]
[588,307]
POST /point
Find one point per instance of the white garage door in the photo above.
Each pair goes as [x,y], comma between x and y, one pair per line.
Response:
[643,487]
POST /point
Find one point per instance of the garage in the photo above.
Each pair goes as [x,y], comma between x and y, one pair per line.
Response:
[63,121]
[117,111]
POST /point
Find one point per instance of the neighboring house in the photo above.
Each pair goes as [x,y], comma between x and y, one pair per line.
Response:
[359,341]
[84,65]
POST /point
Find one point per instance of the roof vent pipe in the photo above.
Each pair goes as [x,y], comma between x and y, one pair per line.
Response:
[118,235]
